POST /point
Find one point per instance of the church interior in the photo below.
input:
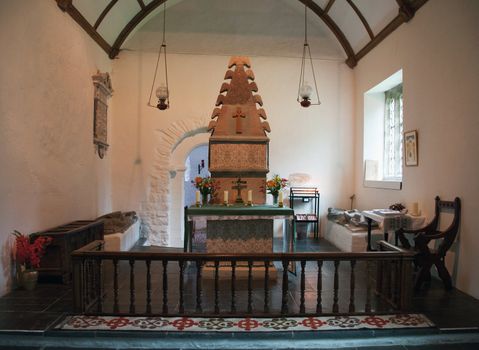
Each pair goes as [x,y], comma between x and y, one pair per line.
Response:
[213,163]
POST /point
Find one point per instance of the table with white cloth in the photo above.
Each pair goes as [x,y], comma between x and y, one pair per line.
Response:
[391,221]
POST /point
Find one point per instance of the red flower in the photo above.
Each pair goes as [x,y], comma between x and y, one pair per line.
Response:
[206,185]
[28,253]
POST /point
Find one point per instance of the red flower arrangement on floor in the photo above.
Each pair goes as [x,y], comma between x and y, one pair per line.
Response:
[29,253]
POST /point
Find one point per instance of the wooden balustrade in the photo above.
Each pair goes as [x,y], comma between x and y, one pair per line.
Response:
[174,284]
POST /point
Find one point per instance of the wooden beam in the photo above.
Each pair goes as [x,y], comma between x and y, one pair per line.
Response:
[132,24]
[361,17]
[67,6]
[104,13]
[396,22]
[328,6]
[351,60]
[141,3]
[405,9]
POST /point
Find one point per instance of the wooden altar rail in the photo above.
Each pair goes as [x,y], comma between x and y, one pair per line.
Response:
[393,281]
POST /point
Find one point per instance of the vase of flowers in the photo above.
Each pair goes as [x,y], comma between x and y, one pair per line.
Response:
[274,185]
[206,186]
[27,256]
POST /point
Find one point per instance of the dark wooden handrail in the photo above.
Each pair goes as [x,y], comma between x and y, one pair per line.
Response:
[91,250]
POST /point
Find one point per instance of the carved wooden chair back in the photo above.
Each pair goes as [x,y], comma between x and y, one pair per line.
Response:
[432,231]
[427,257]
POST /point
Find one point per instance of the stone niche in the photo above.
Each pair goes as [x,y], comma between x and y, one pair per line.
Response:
[238,145]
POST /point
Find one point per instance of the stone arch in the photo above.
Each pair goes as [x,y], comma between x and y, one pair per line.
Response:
[156,209]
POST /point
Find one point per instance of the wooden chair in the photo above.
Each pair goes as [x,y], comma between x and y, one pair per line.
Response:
[426,256]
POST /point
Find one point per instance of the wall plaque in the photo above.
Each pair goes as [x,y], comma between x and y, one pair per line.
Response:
[103,91]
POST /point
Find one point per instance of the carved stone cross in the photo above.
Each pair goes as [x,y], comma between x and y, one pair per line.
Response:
[238,117]
[239,186]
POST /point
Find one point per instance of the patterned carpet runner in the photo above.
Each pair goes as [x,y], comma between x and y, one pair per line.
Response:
[196,324]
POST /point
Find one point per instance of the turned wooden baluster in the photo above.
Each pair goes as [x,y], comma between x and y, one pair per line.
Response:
[397,286]
[148,286]
[165,287]
[284,291]
[319,287]
[250,286]
[266,286]
[351,287]
[115,286]
[99,291]
[199,264]
[86,279]
[336,286]
[368,287]
[303,284]
[182,280]
[233,287]
[132,286]
[217,287]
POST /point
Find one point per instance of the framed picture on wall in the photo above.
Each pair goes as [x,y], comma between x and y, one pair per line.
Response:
[410,148]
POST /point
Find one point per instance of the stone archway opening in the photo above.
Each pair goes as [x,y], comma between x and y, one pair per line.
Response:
[162,213]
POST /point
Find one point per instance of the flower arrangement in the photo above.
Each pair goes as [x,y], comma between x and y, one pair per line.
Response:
[206,185]
[29,253]
[274,185]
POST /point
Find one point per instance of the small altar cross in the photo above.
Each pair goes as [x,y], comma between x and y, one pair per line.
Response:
[238,117]
[239,186]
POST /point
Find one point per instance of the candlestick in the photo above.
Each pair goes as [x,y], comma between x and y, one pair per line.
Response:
[250,197]
[225,197]
[198,198]
[280,199]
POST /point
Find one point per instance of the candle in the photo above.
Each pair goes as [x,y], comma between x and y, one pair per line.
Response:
[280,199]
[197,197]
[250,196]
[225,197]
[415,209]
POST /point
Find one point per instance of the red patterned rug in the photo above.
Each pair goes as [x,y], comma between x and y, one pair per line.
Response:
[196,324]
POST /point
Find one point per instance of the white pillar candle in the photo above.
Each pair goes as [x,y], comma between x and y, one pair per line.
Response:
[225,197]
[250,196]
[415,208]
[198,198]
[280,198]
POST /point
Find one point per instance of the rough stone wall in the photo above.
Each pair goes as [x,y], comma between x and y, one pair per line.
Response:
[155,210]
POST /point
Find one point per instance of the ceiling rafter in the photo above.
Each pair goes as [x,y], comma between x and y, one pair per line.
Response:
[362,18]
[104,13]
[351,60]
[328,6]
[141,3]
[115,50]
[67,6]
[396,22]
[406,11]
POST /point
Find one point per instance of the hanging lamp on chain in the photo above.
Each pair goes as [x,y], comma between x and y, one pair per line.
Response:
[305,90]
[162,91]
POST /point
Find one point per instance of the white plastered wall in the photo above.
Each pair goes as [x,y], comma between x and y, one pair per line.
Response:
[439,54]
[317,140]
[50,173]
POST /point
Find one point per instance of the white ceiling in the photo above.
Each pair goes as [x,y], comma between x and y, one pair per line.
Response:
[247,27]
[228,27]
